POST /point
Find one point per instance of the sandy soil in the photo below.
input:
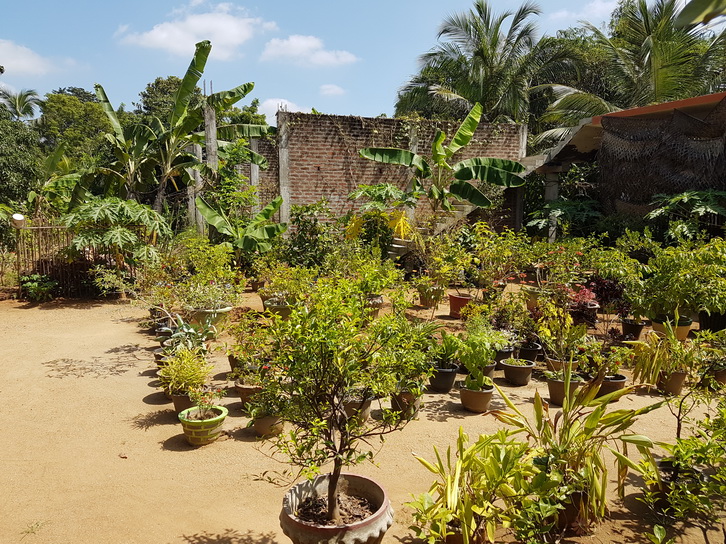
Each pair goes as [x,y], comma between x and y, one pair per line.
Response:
[93,452]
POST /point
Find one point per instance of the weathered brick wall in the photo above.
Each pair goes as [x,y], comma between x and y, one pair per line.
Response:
[320,154]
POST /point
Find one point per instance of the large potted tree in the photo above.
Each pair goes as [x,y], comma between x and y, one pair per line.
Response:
[326,352]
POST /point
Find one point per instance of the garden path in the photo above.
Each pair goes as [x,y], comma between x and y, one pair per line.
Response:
[93,454]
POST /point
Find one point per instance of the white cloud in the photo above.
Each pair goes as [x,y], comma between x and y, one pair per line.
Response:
[306,51]
[226,27]
[595,12]
[331,90]
[271,106]
[20,60]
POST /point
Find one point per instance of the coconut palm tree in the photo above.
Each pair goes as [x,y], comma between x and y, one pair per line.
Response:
[21,104]
[481,60]
[649,60]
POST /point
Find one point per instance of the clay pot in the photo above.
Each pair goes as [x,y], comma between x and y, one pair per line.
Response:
[556,390]
[672,384]
[457,303]
[358,408]
[681,329]
[246,392]
[632,328]
[476,401]
[530,351]
[368,531]
[407,403]
[555,365]
[181,402]
[199,432]
[502,354]
[266,426]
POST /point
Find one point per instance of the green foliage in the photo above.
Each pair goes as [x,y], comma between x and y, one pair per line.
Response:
[124,228]
[323,355]
[441,181]
[185,370]
[38,287]
[77,125]
[313,235]
[159,97]
[687,211]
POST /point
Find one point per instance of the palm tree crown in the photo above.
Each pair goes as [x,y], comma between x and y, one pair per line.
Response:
[20,105]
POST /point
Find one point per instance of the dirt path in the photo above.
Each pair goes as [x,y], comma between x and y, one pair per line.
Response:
[92,452]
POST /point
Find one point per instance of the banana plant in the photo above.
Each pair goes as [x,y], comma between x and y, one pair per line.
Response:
[256,236]
[440,180]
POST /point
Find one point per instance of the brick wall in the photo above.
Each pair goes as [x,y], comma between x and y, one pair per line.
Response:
[316,156]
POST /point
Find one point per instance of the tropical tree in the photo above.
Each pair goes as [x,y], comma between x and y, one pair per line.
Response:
[648,60]
[483,61]
[21,105]
[153,156]
[439,180]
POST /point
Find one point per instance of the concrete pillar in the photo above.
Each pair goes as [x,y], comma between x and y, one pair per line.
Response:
[283,155]
[255,176]
[551,192]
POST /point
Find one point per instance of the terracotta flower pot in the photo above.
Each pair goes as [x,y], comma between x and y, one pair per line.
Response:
[368,531]
[556,390]
[199,432]
[681,329]
[181,402]
[358,408]
[266,426]
[672,384]
[476,401]
[457,303]
[246,392]
[555,365]
[407,403]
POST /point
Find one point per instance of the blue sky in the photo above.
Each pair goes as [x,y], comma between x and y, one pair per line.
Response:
[339,57]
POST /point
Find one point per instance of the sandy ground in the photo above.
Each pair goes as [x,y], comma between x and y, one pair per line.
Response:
[93,452]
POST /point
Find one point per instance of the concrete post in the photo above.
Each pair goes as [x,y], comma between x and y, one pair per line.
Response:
[283,135]
[551,192]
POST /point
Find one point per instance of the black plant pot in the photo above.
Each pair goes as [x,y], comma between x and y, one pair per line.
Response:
[442,380]
[714,322]
[530,351]
[503,354]
[632,328]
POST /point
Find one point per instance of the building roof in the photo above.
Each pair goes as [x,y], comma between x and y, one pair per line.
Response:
[584,142]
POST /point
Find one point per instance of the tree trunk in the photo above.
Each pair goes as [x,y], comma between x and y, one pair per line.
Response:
[193,190]
[333,509]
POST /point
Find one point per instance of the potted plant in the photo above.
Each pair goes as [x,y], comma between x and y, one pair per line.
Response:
[609,363]
[517,371]
[560,337]
[185,335]
[477,356]
[185,370]
[202,423]
[663,361]
[561,384]
[247,381]
[572,443]
[444,360]
[430,292]
[322,355]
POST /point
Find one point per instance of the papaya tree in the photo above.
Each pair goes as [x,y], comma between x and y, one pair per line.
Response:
[442,181]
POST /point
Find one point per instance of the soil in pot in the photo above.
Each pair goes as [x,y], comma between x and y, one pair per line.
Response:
[442,380]
[364,494]
[476,401]
[457,303]
[352,509]
[517,374]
